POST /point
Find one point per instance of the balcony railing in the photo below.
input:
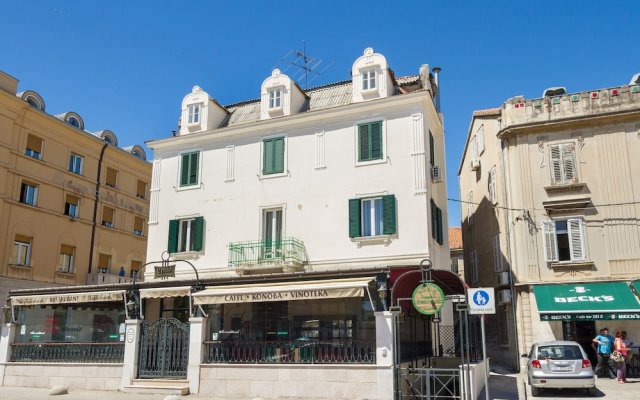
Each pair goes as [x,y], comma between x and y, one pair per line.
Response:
[100,278]
[287,252]
[293,352]
[68,352]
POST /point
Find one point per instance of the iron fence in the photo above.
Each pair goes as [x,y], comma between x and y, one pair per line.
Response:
[294,352]
[284,251]
[68,352]
[428,383]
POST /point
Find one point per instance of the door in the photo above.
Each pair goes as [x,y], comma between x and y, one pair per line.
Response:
[582,332]
[272,234]
[164,349]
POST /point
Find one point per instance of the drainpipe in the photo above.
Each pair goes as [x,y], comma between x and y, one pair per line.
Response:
[95,206]
[507,228]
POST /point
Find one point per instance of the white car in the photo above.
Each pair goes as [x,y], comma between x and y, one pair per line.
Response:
[559,365]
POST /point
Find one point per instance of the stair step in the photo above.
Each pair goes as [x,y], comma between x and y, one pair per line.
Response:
[160,382]
[177,390]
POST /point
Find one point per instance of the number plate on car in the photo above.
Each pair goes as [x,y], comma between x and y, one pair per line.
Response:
[561,368]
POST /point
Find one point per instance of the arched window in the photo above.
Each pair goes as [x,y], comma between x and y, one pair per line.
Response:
[73,121]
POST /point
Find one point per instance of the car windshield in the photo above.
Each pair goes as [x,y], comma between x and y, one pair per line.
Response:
[559,352]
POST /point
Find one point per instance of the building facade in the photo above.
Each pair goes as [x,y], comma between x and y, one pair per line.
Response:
[74,206]
[550,204]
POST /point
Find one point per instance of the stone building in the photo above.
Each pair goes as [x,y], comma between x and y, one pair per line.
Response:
[73,205]
[550,203]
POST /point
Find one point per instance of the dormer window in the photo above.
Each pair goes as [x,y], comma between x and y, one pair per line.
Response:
[369,79]
[193,114]
[73,121]
[275,96]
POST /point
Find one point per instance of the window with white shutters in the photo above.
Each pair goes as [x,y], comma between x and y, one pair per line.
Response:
[564,240]
[563,163]
[497,254]
[480,139]
[492,187]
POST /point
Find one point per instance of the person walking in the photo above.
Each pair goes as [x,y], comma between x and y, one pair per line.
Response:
[621,366]
[602,344]
[627,343]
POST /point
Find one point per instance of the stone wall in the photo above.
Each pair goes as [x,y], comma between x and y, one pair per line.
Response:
[289,381]
[74,376]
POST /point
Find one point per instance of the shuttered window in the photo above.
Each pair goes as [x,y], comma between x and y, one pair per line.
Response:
[65,260]
[563,163]
[189,169]
[497,254]
[436,223]
[34,147]
[432,150]
[370,141]
[564,240]
[273,156]
[112,177]
[492,187]
[185,235]
[473,259]
[372,216]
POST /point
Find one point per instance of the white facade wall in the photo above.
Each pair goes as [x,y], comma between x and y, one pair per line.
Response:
[315,201]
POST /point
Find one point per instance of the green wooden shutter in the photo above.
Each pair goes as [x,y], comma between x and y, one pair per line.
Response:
[434,220]
[354,218]
[184,170]
[389,214]
[363,142]
[267,156]
[376,140]
[440,237]
[193,168]
[432,151]
[198,227]
[278,150]
[172,246]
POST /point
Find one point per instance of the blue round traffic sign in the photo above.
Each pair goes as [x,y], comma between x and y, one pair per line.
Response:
[481,298]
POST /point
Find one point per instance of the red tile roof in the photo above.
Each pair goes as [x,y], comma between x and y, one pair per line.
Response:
[455,238]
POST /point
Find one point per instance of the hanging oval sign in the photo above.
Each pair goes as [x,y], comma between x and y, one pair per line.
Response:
[427,298]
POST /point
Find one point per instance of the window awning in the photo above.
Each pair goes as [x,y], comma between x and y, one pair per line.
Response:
[587,302]
[283,291]
[157,293]
[66,298]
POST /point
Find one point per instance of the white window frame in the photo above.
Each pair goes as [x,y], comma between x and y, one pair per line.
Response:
[262,211]
[356,142]
[275,98]
[66,263]
[369,79]
[188,246]
[193,113]
[480,140]
[473,144]
[492,186]
[77,208]
[112,223]
[27,253]
[34,194]
[576,234]
[76,163]
[138,232]
[565,164]
[372,215]
[497,254]
[285,169]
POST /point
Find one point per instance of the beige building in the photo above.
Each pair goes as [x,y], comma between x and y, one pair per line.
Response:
[73,206]
[550,198]
[456,250]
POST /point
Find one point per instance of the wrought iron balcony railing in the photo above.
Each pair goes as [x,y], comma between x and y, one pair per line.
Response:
[290,352]
[287,252]
[112,352]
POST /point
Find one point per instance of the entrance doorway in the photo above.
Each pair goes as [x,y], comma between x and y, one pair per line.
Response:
[582,332]
[272,233]
[164,349]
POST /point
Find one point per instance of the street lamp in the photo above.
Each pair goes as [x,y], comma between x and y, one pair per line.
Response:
[382,292]
[6,310]
[132,307]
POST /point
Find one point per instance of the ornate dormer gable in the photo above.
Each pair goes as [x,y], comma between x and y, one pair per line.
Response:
[279,96]
[371,77]
[200,112]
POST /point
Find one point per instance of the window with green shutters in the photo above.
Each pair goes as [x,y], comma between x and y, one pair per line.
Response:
[273,156]
[370,141]
[374,216]
[189,168]
[436,223]
[432,150]
[185,235]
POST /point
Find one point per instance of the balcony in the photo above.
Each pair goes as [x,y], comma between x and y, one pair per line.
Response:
[285,255]
[101,278]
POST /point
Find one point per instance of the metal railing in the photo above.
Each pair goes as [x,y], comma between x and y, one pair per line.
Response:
[287,251]
[293,352]
[68,352]
[428,383]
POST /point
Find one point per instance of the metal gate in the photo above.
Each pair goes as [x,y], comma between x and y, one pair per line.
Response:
[428,383]
[164,349]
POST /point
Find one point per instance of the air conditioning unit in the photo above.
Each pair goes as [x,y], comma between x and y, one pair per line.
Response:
[436,174]
[504,278]
[504,296]
[475,163]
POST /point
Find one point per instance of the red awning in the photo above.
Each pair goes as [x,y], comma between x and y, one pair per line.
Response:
[404,280]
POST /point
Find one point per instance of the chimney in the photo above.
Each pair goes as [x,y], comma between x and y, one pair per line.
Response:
[436,76]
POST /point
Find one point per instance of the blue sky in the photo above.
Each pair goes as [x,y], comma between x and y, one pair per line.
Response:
[126,65]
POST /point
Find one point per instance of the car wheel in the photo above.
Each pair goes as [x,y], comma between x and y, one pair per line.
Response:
[535,392]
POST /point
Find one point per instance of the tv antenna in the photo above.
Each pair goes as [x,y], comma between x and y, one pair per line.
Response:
[307,68]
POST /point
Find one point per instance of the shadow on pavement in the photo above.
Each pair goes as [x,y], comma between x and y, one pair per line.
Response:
[503,387]
[570,394]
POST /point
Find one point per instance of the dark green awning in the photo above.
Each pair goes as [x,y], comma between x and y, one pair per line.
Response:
[587,301]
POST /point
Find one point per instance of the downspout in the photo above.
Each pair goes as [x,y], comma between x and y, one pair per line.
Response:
[95,206]
[503,144]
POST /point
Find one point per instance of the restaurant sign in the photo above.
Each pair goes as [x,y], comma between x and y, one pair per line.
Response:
[165,271]
[591,316]
[280,295]
[67,298]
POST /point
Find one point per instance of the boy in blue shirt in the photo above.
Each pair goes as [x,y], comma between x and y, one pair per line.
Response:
[602,344]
